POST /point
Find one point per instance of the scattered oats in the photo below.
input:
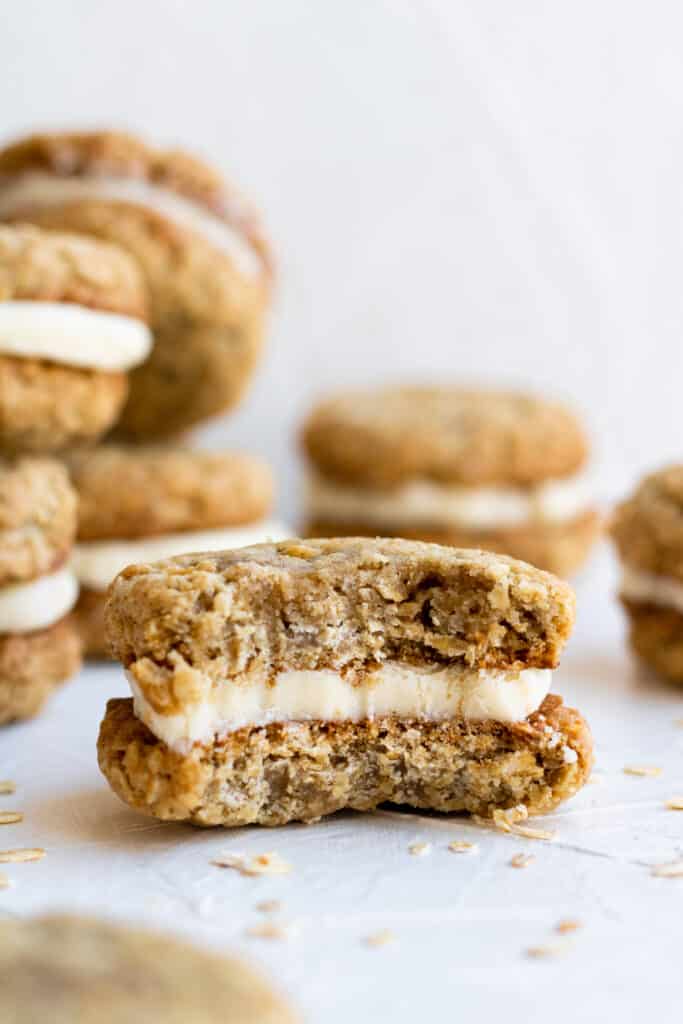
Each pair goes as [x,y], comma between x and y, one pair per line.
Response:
[269,906]
[593,779]
[382,938]
[567,926]
[642,769]
[7,788]
[420,849]
[672,870]
[262,864]
[674,804]
[10,817]
[4,882]
[552,949]
[271,930]
[463,846]
[522,860]
[508,821]
[20,856]
[545,834]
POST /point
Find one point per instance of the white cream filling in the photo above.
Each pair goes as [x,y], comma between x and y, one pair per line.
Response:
[73,335]
[37,189]
[422,502]
[25,607]
[648,587]
[432,693]
[96,563]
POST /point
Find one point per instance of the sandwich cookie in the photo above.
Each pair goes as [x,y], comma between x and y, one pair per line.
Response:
[72,970]
[39,644]
[479,469]
[647,529]
[71,326]
[284,682]
[206,264]
[145,503]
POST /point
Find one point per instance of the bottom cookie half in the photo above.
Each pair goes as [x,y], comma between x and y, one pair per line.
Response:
[558,548]
[32,665]
[301,771]
[656,636]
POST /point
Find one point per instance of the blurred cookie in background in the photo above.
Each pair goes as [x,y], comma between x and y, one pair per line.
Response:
[198,242]
[647,529]
[39,644]
[71,327]
[72,970]
[144,503]
[478,469]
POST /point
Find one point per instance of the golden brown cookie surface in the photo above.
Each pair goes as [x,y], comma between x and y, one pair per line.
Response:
[647,528]
[33,665]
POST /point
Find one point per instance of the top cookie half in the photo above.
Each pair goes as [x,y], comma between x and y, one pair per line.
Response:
[384,438]
[331,604]
[647,528]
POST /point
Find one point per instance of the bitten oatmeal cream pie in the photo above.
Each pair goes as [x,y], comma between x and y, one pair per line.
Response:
[284,682]
[145,503]
[71,326]
[39,645]
[647,529]
[74,970]
[483,469]
[205,262]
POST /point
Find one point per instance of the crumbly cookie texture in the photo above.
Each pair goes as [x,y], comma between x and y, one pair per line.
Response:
[128,492]
[559,548]
[302,771]
[207,316]
[344,605]
[89,617]
[46,266]
[384,438]
[37,518]
[46,407]
[33,665]
[656,636]
[71,969]
[647,528]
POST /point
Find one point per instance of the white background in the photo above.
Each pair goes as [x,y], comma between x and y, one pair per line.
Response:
[488,189]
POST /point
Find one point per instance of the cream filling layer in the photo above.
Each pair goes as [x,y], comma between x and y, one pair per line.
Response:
[36,189]
[432,693]
[96,563]
[25,607]
[74,335]
[650,588]
[422,502]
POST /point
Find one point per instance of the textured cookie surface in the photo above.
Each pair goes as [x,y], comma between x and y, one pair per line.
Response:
[37,518]
[33,665]
[70,970]
[648,527]
[299,772]
[127,492]
[207,314]
[45,266]
[559,548]
[335,604]
[384,438]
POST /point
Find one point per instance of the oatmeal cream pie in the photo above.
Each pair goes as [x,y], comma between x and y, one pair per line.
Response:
[39,645]
[284,682]
[74,970]
[71,326]
[647,529]
[198,242]
[483,469]
[140,504]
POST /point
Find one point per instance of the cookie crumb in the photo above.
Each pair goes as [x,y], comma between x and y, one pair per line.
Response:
[420,849]
[7,787]
[382,938]
[271,930]
[672,870]
[550,950]
[522,860]
[21,856]
[674,804]
[10,817]
[4,882]
[593,779]
[642,770]
[261,864]
[463,846]
[567,925]
[269,906]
